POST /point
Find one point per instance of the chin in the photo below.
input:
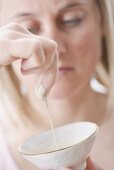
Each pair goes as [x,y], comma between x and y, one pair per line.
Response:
[57,96]
[60,93]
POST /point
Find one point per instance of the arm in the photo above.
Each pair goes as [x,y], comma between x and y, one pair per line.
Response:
[6,161]
[91,165]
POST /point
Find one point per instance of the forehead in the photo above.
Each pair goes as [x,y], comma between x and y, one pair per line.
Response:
[12,7]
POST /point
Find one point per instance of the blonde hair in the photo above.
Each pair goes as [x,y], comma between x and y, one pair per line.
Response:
[12,100]
[20,112]
[105,68]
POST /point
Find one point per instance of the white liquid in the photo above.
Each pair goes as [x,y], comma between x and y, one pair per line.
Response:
[50,121]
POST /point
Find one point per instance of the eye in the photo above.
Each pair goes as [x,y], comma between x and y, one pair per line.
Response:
[33,29]
[31,26]
[72,22]
[71,19]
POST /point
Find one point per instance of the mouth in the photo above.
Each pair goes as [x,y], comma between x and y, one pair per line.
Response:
[63,70]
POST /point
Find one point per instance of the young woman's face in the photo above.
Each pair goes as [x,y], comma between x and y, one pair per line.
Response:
[75,25]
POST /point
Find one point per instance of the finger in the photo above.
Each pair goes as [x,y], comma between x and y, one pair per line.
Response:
[15,27]
[5,57]
[35,61]
[90,165]
[49,77]
[49,45]
[47,80]
[49,59]
[13,35]
[33,50]
[32,65]
[25,48]
[67,169]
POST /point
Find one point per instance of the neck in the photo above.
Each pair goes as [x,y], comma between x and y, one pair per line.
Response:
[73,108]
[78,107]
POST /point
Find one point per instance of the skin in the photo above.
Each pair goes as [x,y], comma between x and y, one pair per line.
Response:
[80,53]
[78,56]
[76,27]
[90,166]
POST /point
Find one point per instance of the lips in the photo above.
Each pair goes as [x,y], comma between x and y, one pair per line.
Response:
[65,69]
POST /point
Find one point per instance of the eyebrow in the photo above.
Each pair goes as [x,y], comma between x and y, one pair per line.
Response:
[29,14]
[24,14]
[73,4]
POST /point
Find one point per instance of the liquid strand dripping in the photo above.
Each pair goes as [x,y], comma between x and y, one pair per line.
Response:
[50,121]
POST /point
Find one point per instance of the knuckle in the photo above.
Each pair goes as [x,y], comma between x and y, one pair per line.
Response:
[53,45]
[14,26]
[36,45]
[8,33]
[18,27]
[4,43]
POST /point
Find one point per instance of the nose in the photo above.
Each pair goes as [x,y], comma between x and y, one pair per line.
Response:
[52,32]
[60,47]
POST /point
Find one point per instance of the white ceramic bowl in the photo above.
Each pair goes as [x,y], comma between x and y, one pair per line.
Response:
[74,141]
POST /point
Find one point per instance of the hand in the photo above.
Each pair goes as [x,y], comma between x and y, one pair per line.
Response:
[38,55]
[90,166]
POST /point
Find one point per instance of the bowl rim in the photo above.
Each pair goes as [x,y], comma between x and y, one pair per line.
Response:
[57,150]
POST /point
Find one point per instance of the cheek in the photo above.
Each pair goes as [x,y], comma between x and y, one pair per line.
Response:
[87,50]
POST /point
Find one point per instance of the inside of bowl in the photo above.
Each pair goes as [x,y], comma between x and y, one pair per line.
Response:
[66,136]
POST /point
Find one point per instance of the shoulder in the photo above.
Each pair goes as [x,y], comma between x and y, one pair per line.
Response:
[103,150]
[2,151]
[5,155]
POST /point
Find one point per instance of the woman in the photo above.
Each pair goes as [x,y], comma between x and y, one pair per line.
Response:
[75,37]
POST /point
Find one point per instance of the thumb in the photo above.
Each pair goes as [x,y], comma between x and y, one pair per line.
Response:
[67,169]
[48,80]
[91,165]
[49,77]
